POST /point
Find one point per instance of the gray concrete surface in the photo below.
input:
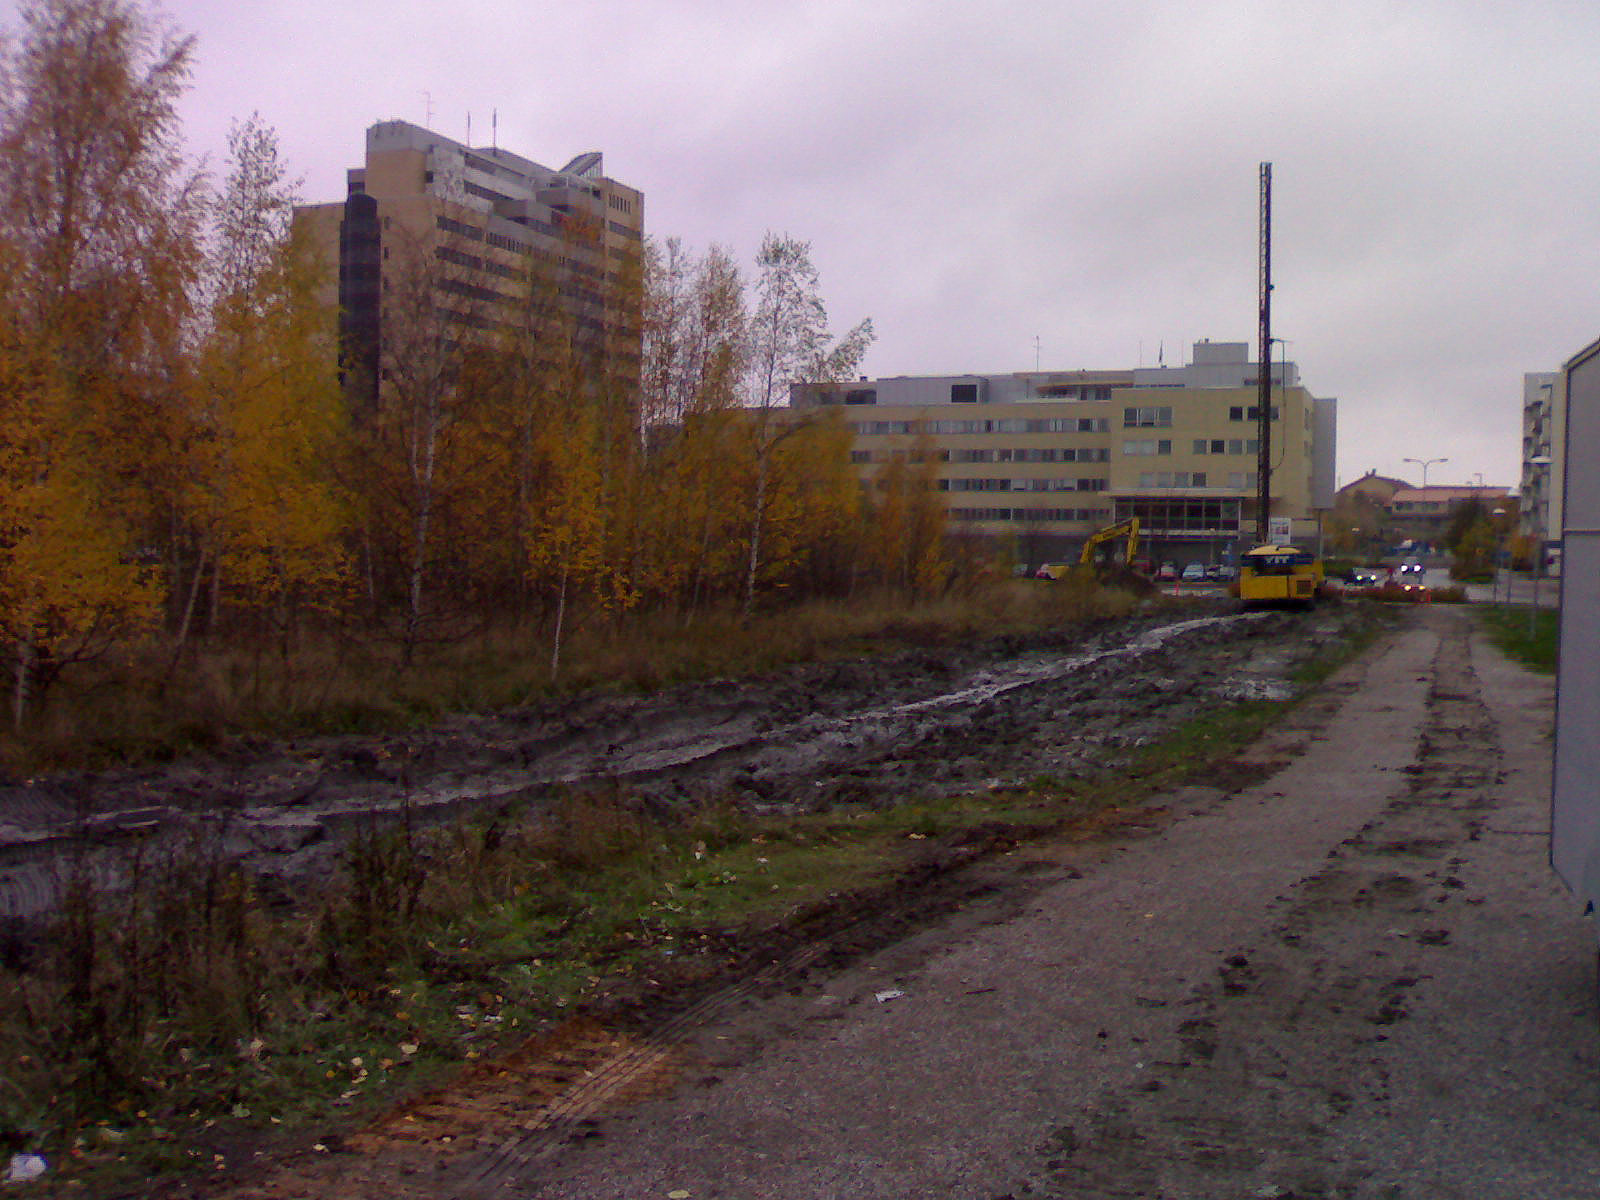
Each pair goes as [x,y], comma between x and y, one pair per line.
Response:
[1356,979]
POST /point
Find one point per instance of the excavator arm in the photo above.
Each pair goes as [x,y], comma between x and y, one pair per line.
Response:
[1128,529]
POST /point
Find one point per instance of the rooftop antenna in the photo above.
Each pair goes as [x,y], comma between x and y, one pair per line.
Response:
[469,127]
[427,120]
[494,129]
[1036,354]
[1264,390]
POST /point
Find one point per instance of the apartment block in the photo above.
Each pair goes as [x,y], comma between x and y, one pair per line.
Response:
[470,243]
[1543,440]
[1042,459]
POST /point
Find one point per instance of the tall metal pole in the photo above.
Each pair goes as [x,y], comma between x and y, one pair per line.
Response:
[1264,399]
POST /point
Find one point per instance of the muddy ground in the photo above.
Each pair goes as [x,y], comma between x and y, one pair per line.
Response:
[1351,977]
[874,729]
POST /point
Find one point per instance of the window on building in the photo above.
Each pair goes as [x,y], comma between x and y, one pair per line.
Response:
[1172,479]
[963,393]
[1147,416]
[861,396]
[1147,446]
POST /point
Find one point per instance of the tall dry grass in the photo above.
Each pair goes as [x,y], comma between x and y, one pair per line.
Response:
[141,708]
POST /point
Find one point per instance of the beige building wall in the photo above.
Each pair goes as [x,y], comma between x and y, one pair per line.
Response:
[1046,458]
[484,240]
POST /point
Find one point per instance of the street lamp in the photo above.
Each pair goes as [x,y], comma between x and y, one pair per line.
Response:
[1424,463]
[1499,515]
[1541,464]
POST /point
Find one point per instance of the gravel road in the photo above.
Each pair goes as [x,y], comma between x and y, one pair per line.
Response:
[1357,978]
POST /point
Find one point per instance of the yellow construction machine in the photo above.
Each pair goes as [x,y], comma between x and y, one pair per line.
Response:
[1114,571]
[1111,533]
[1277,574]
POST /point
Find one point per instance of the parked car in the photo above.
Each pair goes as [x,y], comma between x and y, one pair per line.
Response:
[1221,573]
[1194,573]
[1166,572]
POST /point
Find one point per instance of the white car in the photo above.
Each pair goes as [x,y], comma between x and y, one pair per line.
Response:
[1194,573]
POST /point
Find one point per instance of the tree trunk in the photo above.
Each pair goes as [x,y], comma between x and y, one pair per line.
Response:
[26,654]
[194,594]
[561,616]
[419,551]
[757,521]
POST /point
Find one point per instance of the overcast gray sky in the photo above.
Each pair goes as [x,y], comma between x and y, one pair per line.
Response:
[976,175]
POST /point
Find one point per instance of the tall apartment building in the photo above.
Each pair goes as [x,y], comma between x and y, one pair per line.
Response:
[481,241]
[1042,459]
[1544,412]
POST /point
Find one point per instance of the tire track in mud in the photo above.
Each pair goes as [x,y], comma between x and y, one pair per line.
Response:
[786,742]
[1287,1037]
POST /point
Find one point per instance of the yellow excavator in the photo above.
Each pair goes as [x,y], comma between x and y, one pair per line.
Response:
[1116,570]
[1122,529]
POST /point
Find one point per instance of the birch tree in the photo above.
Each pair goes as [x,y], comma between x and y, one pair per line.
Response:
[268,517]
[98,223]
[789,344]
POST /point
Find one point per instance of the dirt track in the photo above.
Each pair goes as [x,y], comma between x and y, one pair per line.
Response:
[1355,978]
[873,729]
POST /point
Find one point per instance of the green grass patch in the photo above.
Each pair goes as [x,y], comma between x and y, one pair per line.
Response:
[1528,635]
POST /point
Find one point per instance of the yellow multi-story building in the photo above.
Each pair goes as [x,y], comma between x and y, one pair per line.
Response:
[477,240]
[1042,459]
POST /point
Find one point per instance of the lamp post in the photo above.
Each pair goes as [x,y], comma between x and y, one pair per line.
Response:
[1499,516]
[1425,463]
[1540,463]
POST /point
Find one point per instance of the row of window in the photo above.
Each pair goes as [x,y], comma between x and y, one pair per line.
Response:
[515,245]
[1008,425]
[459,228]
[1098,515]
[1021,454]
[493,197]
[1160,416]
[472,262]
[1172,479]
[1021,485]
[1182,515]
[1041,454]
[969,393]
[1151,447]
[1075,392]
[471,291]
